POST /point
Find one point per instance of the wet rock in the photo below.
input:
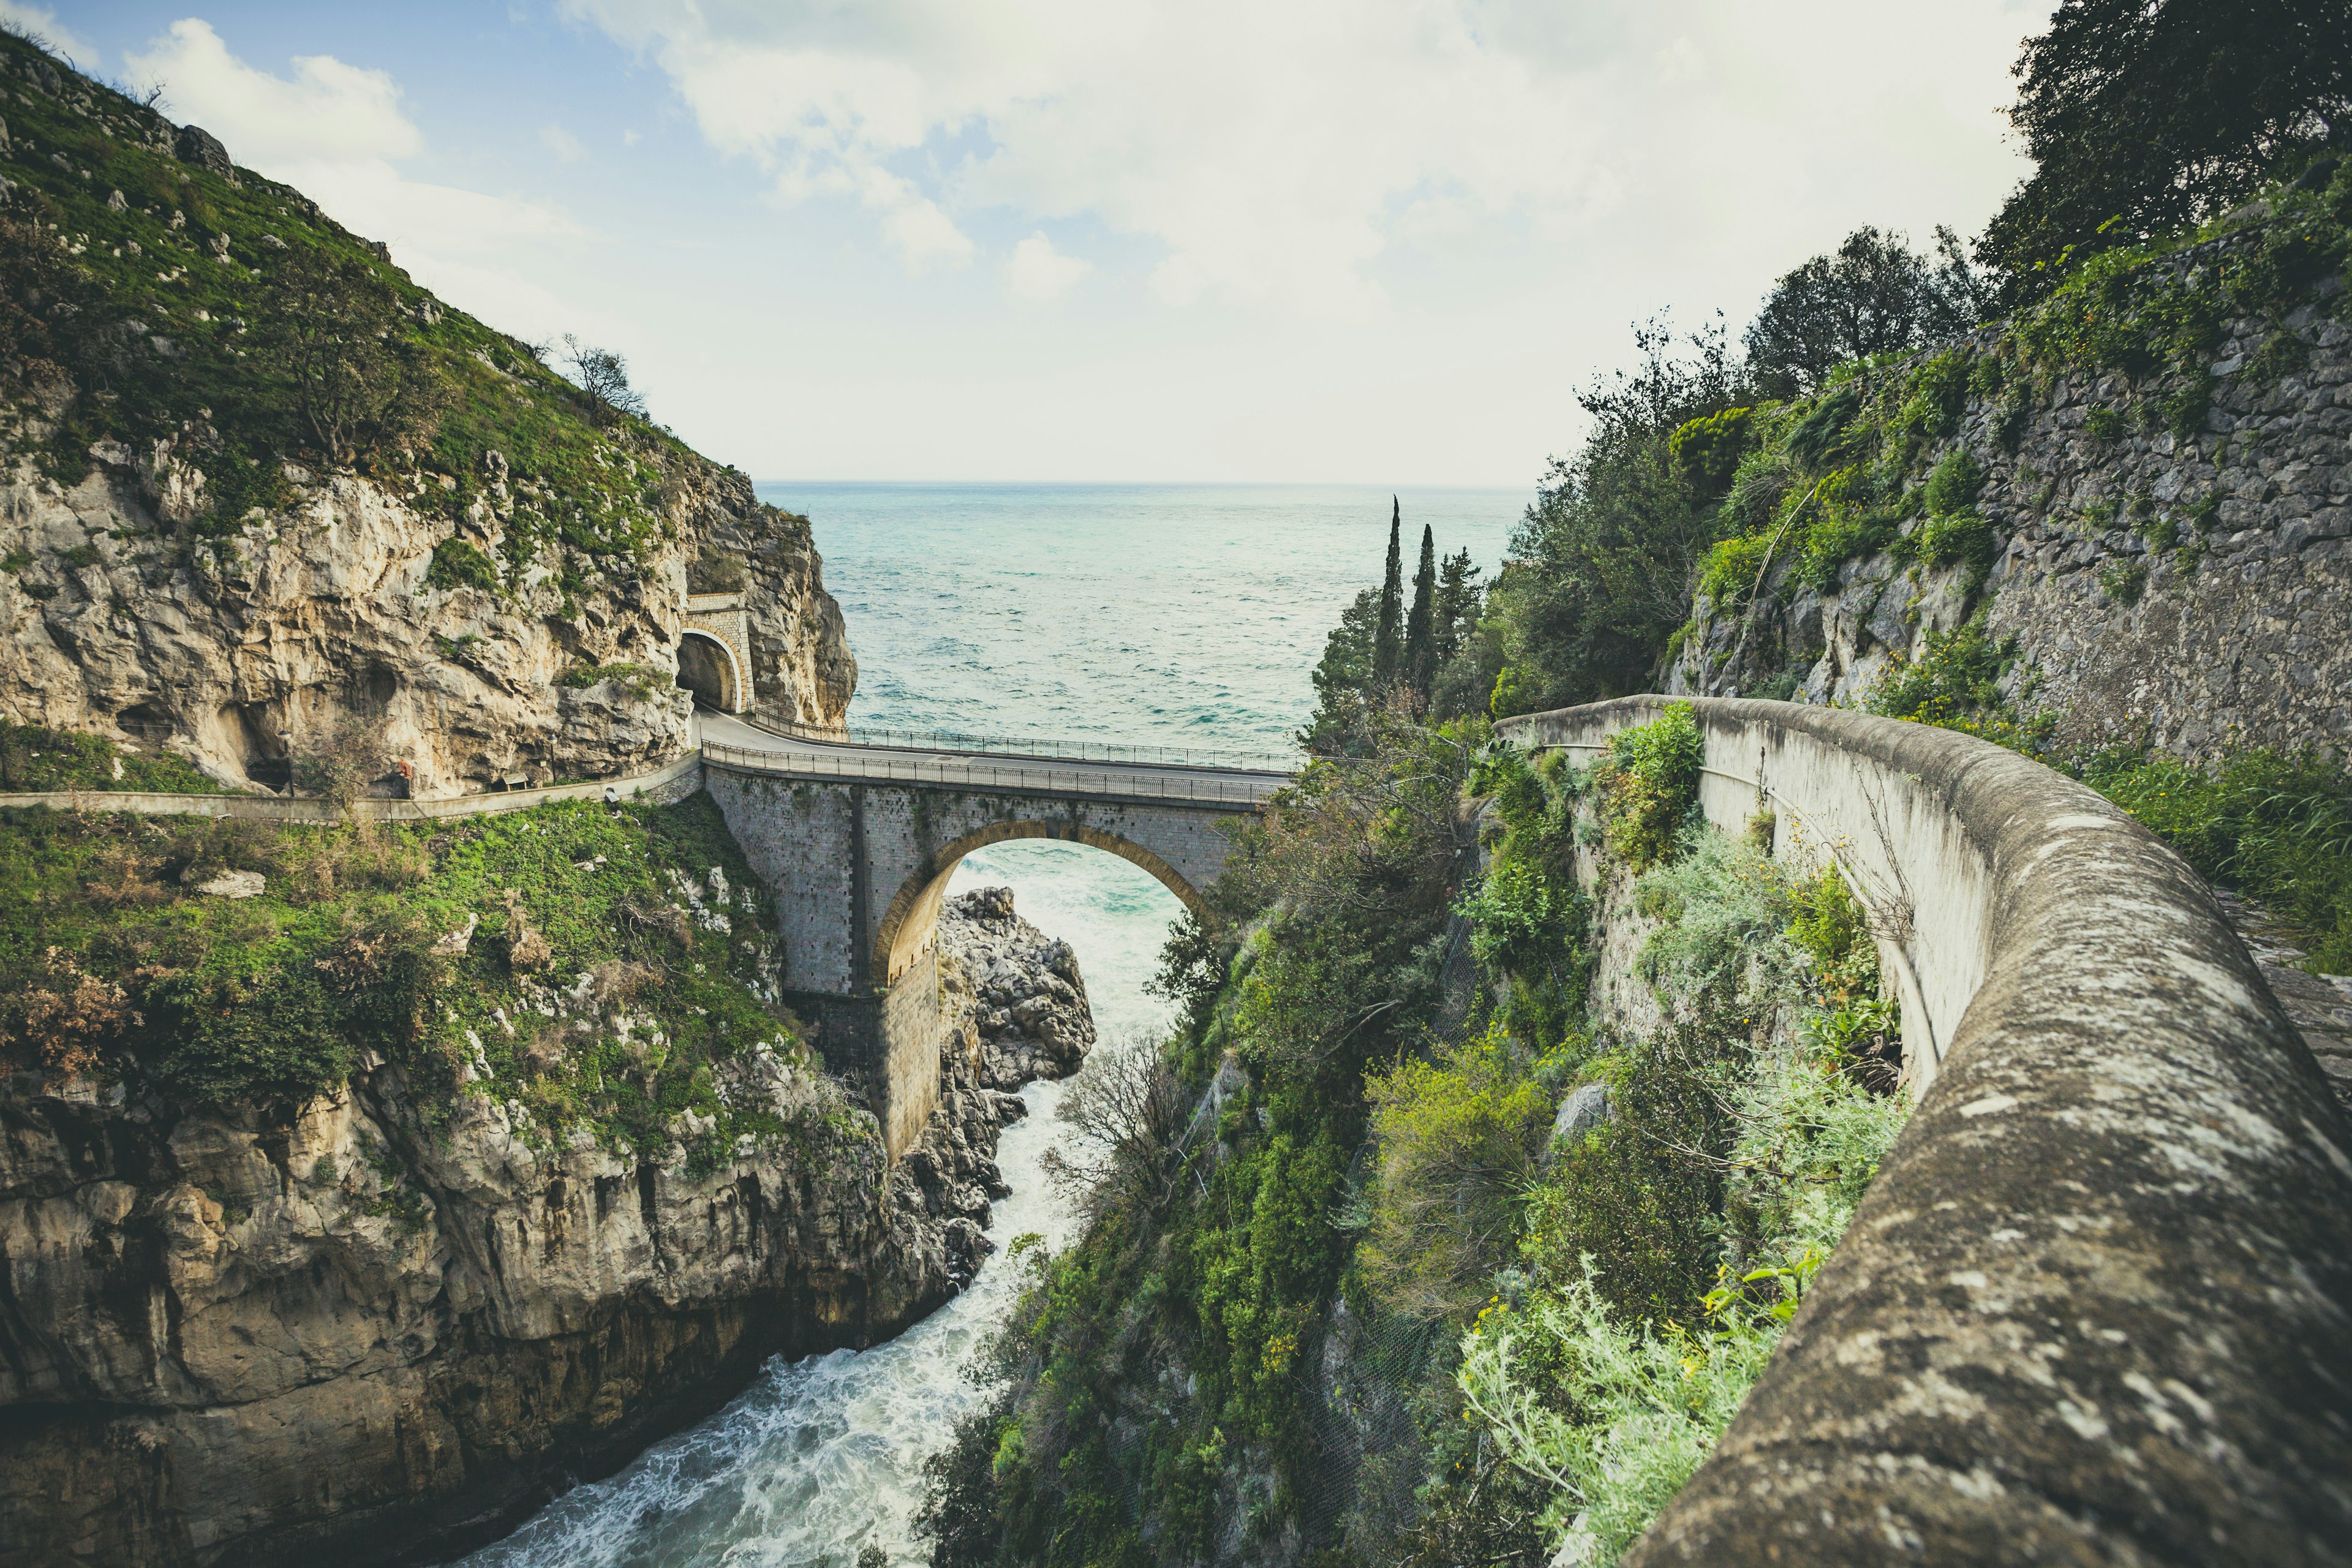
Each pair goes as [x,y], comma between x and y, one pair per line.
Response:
[1029,1007]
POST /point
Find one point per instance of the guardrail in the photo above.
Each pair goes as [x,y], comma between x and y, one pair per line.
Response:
[1235,791]
[1030,746]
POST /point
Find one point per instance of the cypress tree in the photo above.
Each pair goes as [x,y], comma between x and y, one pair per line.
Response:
[1388,640]
[1456,609]
[1420,639]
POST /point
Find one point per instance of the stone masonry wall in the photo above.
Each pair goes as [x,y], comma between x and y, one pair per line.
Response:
[2196,593]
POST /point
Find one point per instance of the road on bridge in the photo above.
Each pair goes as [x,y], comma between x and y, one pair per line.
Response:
[735,742]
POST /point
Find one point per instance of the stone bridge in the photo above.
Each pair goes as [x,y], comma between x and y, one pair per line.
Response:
[858,837]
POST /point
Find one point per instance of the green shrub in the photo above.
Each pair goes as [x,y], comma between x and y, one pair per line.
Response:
[1457,1137]
[1954,539]
[2125,581]
[2104,423]
[1709,448]
[1938,395]
[638,681]
[1819,434]
[1648,785]
[1959,674]
[2277,826]
[458,564]
[1841,536]
[2185,409]
[1729,574]
[1954,484]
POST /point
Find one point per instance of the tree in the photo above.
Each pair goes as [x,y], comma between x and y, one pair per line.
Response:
[1876,296]
[1420,633]
[1456,608]
[1344,671]
[1604,561]
[604,375]
[2147,115]
[334,331]
[1388,641]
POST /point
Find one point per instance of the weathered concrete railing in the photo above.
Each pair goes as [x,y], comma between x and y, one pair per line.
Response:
[2097,1305]
[1034,746]
[1199,786]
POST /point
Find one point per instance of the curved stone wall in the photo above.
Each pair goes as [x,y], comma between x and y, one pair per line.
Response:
[2097,1306]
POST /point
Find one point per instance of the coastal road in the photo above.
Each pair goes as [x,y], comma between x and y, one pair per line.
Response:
[734,741]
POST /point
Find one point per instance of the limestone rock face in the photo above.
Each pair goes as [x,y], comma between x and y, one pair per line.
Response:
[233,652]
[1027,1004]
[385,1322]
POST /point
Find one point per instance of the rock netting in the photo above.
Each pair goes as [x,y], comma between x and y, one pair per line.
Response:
[1020,988]
[2234,634]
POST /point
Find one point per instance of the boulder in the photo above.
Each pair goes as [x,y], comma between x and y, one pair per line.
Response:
[1583,1112]
[201,147]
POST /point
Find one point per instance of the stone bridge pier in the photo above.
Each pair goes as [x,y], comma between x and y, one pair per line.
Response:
[859,868]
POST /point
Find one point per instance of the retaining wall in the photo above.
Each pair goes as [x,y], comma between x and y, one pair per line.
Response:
[2097,1305]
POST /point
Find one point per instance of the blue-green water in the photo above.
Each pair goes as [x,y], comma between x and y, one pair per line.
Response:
[1146,615]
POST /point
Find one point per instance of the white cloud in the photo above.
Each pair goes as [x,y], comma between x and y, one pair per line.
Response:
[1039,274]
[337,133]
[43,24]
[330,113]
[1264,147]
[561,143]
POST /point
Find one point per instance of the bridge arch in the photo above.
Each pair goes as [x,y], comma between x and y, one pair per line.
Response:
[708,667]
[906,927]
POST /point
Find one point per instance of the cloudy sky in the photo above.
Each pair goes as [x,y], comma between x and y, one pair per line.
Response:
[1377,241]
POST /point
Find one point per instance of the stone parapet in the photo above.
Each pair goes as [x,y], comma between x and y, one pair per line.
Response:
[2097,1305]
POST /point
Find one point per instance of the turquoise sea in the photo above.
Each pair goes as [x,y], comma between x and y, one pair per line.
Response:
[1139,613]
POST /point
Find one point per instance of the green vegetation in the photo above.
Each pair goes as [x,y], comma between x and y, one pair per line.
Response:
[581,961]
[1382,655]
[1648,786]
[638,681]
[2144,119]
[1381,1170]
[2274,825]
[35,760]
[235,318]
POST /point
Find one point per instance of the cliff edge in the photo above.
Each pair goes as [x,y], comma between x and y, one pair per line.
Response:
[261,495]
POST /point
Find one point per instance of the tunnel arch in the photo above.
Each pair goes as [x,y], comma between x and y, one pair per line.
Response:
[708,668]
[907,925]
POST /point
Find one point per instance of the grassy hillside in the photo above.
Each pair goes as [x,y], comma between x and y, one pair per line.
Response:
[149,296]
[600,966]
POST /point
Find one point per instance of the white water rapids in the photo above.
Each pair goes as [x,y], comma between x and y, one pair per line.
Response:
[822,1456]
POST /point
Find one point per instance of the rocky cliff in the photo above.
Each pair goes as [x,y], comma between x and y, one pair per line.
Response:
[324,612]
[263,497]
[2149,507]
[1018,990]
[386,1321]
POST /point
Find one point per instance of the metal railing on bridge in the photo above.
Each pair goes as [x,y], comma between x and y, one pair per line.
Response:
[1285,763]
[879,765]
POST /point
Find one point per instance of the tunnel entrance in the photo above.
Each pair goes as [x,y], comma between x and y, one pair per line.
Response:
[705,666]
